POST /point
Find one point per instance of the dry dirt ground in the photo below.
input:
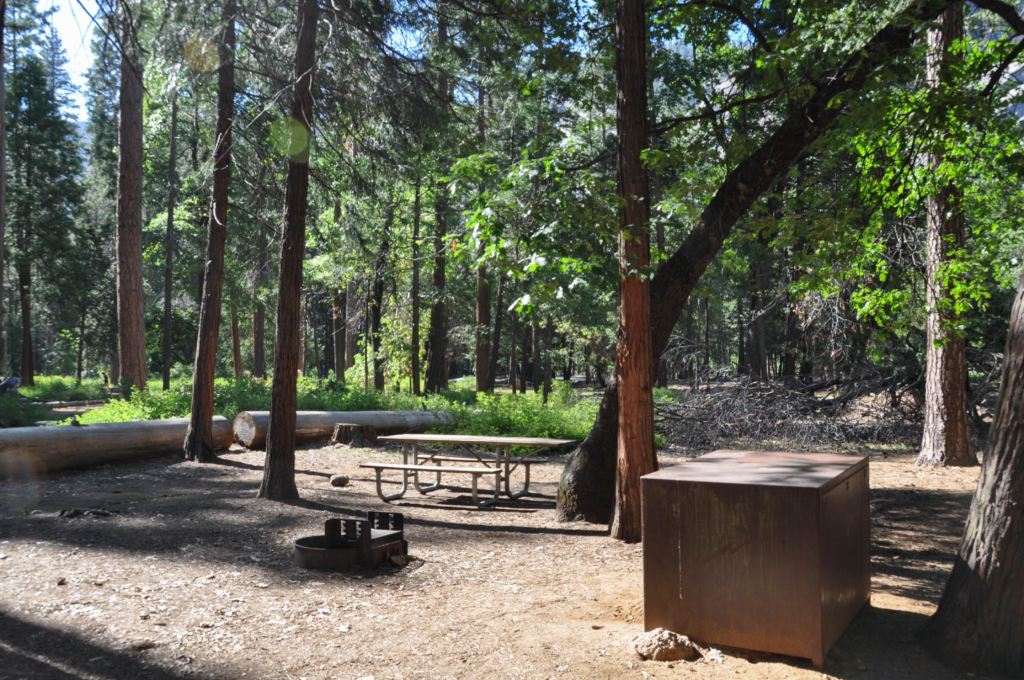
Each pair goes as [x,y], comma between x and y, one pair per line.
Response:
[191,577]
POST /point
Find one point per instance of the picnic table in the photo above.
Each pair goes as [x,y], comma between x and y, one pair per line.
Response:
[500,466]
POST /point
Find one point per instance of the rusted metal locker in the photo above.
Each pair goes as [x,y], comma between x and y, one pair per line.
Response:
[757,550]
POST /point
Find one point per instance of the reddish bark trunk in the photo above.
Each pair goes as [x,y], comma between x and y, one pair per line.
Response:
[279,466]
[634,359]
[130,301]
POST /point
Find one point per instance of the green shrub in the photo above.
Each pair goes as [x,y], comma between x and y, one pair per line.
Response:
[57,388]
[526,415]
[567,416]
[16,413]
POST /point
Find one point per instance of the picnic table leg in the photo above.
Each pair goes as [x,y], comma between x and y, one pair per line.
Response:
[508,474]
[394,496]
[416,475]
[490,501]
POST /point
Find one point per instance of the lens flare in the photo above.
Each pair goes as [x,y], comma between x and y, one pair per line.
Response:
[290,137]
[201,54]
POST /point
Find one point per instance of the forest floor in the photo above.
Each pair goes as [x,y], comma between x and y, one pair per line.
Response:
[192,577]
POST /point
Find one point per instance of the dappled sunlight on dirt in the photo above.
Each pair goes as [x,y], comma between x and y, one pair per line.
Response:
[191,576]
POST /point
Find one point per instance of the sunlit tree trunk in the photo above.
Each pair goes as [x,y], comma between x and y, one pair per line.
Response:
[130,301]
[279,464]
[947,439]
[634,360]
[199,437]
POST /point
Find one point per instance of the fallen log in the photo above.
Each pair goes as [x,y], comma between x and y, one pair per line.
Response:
[27,451]
[251,426]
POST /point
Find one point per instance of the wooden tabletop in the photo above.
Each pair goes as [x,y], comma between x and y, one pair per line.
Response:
[476,439]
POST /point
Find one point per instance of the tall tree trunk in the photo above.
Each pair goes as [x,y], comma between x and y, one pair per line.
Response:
[526,366]
[199,437]
[741,352]
[302,333]
[580,494]
[312,309]
[437,339]
[236,344]
[279,466]
[25,287]
[377,299]
[513,376]
[757,352]
[259,319]
[3,177]
[338,317]
[634,360]
[483,328]
[437,336]
[416,292]
[351,322]
[130,302]
[169,242]
[81,345]
[980,620]
[549,333]
[492,365]
[115,367]
[947,439]
[538,368]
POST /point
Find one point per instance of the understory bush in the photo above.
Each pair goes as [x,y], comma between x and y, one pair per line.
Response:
[565,417]
[16,413]
[526,415]
[57,388]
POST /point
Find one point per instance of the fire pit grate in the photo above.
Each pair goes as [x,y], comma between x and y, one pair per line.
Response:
[364,543]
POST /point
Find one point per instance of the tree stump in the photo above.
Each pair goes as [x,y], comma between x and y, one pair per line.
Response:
[358,436]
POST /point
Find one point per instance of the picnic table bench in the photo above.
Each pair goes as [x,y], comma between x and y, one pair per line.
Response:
[501,465]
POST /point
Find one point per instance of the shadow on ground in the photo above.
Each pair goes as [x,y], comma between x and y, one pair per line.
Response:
[35,652]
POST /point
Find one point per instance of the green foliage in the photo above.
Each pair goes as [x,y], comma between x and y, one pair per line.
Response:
[15,413]
[57,388]
[526,415]
[566,417]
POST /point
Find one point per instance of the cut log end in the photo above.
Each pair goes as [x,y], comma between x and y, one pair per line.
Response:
[358,436]
[248,431]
